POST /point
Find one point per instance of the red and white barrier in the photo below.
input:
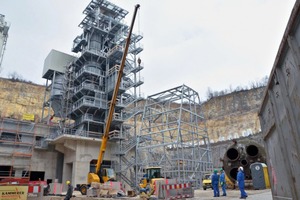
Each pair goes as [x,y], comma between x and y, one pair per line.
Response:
[176,186]
[34,189]
[56,188]
[180,197]
[177,191]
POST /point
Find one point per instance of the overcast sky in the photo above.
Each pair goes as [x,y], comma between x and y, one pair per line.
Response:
[203,44]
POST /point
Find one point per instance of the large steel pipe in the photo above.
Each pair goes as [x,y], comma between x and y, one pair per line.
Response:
[232,154]
[252,150]
[242,153]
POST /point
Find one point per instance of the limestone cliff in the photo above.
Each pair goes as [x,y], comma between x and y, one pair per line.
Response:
[229,116]
[19,98]
[233,115]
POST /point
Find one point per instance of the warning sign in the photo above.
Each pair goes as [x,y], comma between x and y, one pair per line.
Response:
[28,117]
[13,192]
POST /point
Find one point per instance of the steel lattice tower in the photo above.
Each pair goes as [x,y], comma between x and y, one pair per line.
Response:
[173,136]
[81,88]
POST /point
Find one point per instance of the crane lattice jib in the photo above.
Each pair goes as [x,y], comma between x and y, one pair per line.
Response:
[114,97]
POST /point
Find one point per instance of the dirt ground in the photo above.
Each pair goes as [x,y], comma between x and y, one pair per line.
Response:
[198,194]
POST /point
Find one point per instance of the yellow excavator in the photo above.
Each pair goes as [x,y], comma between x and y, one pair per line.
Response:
[102,175]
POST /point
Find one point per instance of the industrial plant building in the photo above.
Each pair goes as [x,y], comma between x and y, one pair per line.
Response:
[166,129]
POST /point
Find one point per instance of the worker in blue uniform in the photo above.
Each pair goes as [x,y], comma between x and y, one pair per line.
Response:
[241,182]
[215,183]
[223,182]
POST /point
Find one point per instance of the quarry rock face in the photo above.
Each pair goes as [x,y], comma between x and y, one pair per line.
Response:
[227,117]
[233,115]
[19,98]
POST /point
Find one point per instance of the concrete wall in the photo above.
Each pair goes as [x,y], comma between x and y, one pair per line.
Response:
[45,161]
[77,157]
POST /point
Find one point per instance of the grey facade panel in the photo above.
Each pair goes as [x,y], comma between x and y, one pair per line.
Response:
[56,61]
[280,114]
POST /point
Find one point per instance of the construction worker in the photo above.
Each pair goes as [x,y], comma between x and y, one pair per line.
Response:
[215,183]
[69,191]
[223,182]
[241,182]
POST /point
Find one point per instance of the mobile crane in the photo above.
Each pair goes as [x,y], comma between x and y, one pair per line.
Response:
[102,175]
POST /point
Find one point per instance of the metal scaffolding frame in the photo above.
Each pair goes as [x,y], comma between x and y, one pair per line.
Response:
[80,95]
[173,136]
[173,133]
[4,27]
[18,141]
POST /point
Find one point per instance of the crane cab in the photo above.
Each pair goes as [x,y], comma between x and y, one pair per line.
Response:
[106,174]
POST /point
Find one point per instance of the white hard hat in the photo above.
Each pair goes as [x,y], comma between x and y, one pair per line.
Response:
[241,168]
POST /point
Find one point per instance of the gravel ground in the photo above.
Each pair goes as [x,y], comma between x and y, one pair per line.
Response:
[234,194]
[199,194]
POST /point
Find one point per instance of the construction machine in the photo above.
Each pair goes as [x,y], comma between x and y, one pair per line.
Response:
[148,182]
[101,174]
[206,181]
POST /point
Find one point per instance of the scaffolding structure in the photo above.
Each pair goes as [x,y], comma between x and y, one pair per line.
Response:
[18,140]
[80,93]
[4,27]
[173,136]
[173,133]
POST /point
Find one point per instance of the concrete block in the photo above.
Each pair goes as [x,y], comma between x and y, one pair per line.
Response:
[113,193]
[91,192]
[95,185]
[103,193]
